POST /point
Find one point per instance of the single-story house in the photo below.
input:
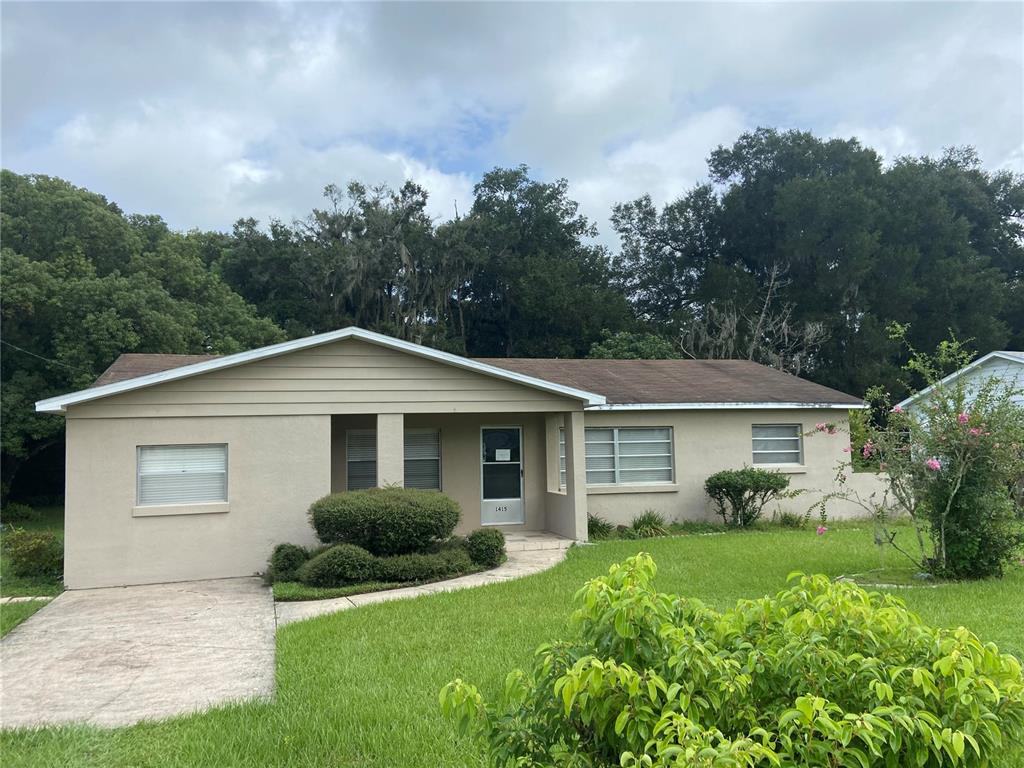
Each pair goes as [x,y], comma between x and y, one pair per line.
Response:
[194,467]
[1005,365]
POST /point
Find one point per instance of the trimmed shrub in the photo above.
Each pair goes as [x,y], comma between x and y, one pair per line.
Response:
[34,553]
[17,513]
[486,547]
[413,567]
[822,674]
[649,524]
[340,565]
[386,521]
[598,528]
[286,561]
[740,495]
[457,560]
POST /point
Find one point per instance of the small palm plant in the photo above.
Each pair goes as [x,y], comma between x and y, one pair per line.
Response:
[649,524]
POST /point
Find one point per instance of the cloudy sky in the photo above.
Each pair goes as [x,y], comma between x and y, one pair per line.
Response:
[205,112]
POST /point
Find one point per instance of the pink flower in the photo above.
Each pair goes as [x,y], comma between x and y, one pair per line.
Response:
[963,418]
[897,409]
[820,426]
[832,429]
[867,450]
[821,530]
[974,431]
[933,464]
[847,449]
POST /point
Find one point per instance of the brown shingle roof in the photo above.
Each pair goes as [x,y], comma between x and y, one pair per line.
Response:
[132,364]
[678,381]
[620,381]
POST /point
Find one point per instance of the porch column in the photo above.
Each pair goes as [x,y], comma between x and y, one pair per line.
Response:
[390,449]
[576,474]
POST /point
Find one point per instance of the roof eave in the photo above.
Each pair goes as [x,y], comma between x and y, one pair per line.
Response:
[758,406]
[60,403]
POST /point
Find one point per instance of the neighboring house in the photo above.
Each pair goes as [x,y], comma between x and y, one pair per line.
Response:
[1004,365]
[194,467]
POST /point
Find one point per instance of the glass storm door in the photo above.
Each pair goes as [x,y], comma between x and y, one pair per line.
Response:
[501,476]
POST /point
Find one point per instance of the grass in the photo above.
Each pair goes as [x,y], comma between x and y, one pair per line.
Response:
[49,519]
[360,687]
[12,614]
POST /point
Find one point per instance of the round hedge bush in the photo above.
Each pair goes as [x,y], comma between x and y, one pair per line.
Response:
[486,547]
[340,565]
[286,561]
[386,521]
[34,553]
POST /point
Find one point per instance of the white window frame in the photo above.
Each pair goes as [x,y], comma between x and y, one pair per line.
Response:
[800,445]
[617,468]
[405,459]
[138,475]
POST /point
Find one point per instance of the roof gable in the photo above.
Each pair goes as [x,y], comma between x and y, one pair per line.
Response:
[177,371]
[1010,356]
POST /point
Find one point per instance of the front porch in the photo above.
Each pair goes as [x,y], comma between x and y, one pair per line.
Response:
[503,468]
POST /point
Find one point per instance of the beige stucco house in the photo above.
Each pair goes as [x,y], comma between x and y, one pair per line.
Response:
[194,467]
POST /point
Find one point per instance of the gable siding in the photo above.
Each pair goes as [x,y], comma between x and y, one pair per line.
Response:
[343,377]
[1010,372]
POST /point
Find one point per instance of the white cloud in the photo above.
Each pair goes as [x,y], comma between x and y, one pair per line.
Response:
[207,112]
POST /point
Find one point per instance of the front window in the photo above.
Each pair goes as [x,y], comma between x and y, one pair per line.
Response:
[182,474]
[624,455]
[422,459]
[777,444]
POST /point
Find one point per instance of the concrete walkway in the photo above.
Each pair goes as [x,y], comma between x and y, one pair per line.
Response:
[119,655]
[527,554]
[116,656]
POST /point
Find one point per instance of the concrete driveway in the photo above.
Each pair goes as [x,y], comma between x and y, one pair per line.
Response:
[119,655]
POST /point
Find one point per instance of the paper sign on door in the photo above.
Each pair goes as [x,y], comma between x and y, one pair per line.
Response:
[503,454]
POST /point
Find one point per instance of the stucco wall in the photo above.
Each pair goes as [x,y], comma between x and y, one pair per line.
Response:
[276,466]
[706,441]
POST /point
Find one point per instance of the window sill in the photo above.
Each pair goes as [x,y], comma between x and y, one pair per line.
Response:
[786,469]
[595,490]
[166,510]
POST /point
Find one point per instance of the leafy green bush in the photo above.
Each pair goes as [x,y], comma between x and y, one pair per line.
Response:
[740,495]
[648,524]
[821,674]
[486,547]
[792,519]
[34,553]
[598,528]
[286,561]
[386,521]
[15,512]
[419,567]
[340,565]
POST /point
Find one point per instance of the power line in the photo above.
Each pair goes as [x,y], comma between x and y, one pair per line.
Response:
[40,357]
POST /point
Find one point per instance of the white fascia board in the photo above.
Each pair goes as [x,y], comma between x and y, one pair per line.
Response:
[61,402]
[725,406]
[966,369]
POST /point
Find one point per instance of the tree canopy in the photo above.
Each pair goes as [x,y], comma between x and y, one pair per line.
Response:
[797,252]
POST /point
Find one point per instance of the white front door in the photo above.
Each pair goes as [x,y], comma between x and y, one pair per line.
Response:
[501,476]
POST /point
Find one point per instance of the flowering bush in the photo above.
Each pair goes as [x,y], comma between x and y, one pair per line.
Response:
[951,461]
[822,674]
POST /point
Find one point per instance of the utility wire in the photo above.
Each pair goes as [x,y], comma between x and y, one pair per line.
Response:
[40,357]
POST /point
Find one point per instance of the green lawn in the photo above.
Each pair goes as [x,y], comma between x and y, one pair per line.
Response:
[50,519]
[12,614]
[359,688]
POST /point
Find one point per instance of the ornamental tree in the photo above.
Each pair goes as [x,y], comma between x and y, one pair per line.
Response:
[951,462]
